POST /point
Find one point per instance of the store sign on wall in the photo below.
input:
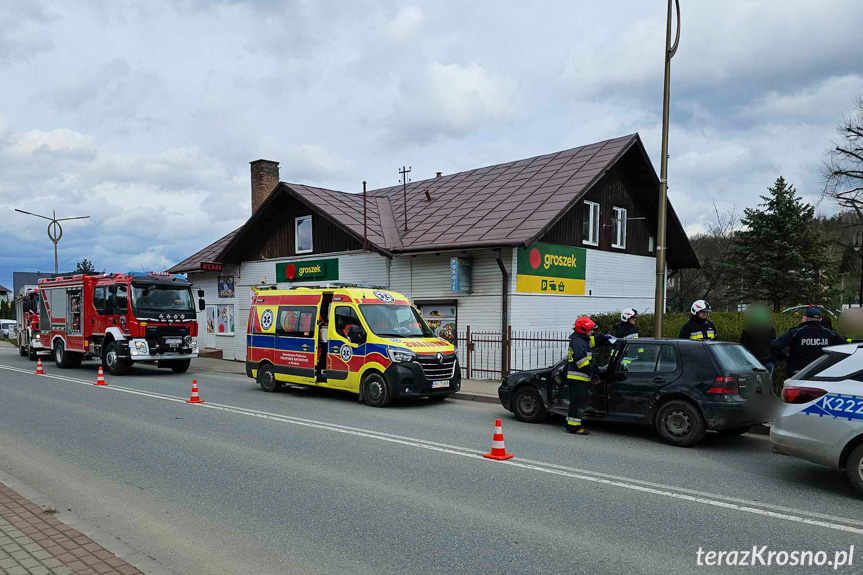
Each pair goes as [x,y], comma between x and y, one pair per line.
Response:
[308,271]
[551,269]
[460,275]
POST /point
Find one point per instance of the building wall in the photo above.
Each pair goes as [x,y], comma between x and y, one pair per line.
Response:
[354,267]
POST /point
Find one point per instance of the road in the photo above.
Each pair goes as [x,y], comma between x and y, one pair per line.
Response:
[310,481]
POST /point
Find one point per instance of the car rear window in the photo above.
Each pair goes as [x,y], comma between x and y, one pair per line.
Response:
[823,363]
[733,357]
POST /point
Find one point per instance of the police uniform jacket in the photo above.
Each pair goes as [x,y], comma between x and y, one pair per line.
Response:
[698,329]
[625,330]
[805,344]
[579,360]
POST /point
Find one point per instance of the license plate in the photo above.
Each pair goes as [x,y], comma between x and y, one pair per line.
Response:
[173,340]
[441,383]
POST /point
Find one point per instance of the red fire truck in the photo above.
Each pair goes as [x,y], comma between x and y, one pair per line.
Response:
[120,319]
[27,317]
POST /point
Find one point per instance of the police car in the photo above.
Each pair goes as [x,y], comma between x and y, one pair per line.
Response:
[822,420]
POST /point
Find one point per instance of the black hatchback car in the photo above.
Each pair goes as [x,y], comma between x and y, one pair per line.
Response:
[682,388]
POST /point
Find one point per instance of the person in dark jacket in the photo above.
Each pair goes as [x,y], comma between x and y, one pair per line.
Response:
[580,370]
[627,329]
[758,333]
[698,327]
[804,343]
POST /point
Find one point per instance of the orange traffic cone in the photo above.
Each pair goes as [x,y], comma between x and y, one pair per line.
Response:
[194,398]
[498,451]
[100,379]
[39,370]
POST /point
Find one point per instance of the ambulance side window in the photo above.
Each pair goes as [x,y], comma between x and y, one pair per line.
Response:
[296,321]
[345,317]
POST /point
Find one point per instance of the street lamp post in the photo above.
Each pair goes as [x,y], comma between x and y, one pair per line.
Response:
[670,50]
[55,231]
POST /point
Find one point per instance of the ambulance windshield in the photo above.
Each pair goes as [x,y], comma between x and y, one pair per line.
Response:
[395,321]
[162,298]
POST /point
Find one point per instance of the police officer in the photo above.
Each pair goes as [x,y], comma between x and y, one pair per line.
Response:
[804,342]
[579,371]
[627,329]
[698,327]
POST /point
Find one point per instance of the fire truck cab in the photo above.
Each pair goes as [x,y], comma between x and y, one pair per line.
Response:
[27,307]
[120,319]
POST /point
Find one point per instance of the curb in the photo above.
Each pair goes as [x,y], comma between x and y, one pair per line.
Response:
[465,396]
[131,556]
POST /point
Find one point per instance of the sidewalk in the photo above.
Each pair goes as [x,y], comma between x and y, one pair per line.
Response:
[471,389]
[34,542]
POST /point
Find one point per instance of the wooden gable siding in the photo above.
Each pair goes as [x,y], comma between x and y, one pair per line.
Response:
[274,235]
[620,188]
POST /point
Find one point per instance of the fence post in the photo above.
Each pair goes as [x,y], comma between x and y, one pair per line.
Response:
[469,346]
[508,350]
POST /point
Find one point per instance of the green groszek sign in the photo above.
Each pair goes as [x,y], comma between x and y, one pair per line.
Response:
[551,269]
[308,271]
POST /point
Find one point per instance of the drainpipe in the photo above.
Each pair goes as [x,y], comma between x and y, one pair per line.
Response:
[504,319]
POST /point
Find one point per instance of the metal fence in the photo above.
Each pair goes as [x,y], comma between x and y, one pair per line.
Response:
[480,354]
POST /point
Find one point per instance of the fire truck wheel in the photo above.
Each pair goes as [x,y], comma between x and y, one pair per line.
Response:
[112,362]
[180,366]
[22,350]
[61,358]
[31,354]
[267,379]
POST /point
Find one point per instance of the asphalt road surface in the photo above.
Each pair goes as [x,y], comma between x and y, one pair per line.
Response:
[311,481]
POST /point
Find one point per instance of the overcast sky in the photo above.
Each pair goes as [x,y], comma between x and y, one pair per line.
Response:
[145,115]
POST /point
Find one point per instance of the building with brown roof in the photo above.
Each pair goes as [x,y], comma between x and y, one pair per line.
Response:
[529,244]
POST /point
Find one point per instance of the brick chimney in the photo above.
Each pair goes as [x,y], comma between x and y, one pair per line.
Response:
[265,178]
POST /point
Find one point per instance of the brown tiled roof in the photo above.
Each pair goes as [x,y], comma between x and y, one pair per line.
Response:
[4,289]
[507,204]
[210,253]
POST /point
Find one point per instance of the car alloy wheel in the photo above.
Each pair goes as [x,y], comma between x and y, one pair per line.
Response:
[678,423]
[860,470]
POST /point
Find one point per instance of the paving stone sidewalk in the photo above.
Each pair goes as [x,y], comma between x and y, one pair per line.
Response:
[33,542]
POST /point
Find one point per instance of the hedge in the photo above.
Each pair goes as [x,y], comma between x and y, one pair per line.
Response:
[729,324]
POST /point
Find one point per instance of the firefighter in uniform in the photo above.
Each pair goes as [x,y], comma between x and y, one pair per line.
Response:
[627,329]
[698,327]
[579,372]
[805,343]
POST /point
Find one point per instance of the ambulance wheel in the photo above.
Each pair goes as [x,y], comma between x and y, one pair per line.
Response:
[112,362]
[375,391]
[180,366]
[61,358]
[680,423]
[31,354]
[267,379]
[855,468]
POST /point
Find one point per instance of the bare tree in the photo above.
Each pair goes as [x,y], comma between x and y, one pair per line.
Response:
[843,168]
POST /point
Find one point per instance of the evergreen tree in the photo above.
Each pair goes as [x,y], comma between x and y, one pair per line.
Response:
[779,255]
[85,266]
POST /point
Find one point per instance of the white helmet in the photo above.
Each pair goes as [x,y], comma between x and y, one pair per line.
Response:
[700,305]
[628,314]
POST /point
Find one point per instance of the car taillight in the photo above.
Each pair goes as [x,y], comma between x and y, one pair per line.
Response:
[724,385]
[795,394]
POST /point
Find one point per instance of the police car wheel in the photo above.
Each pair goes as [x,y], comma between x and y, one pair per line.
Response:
[267,379]
[680,423]
[528,406]
[375,391]
[855,468]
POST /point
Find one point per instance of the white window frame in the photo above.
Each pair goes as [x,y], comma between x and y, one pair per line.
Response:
[297,235]
[593,228]
[618,228]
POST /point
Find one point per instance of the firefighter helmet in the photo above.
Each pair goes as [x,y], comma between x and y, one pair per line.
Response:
[584,325]
[700,305]
[628,314]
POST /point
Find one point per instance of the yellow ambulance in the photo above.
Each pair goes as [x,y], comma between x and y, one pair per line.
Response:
[369,341]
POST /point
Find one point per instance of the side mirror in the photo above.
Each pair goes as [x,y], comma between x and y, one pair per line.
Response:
[112,289]
[202,305]
[200,293]
[356,335]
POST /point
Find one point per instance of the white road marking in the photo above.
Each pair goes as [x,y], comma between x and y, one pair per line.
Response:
[681,494]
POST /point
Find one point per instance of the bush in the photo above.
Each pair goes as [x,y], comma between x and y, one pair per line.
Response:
[729,324]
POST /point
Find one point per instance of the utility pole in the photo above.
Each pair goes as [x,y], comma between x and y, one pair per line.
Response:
[405,179]
[670,50]
[365,221]
[55,231]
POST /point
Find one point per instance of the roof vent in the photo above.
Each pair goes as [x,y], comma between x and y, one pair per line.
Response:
[428,196]
[438,174]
